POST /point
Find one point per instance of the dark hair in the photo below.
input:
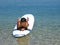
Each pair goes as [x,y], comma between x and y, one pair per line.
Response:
[23,20]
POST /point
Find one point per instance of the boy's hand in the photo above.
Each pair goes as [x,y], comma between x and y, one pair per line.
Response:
[18,18]
[27,19]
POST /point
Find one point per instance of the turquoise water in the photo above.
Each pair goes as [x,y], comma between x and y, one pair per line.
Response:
[46,30]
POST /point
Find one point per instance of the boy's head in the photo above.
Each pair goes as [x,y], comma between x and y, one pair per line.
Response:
[23,20]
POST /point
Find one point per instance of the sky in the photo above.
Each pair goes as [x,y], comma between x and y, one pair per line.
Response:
[4,3]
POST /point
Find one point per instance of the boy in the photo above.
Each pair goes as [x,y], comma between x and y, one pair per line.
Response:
[22,24]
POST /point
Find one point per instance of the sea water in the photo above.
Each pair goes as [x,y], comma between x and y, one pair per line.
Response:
[46,30]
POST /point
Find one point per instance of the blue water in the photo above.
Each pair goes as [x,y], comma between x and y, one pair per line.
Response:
[46,30]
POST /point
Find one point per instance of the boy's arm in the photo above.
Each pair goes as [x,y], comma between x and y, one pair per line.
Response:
[27,22]
[18,22]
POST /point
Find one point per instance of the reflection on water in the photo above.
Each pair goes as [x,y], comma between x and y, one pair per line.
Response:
[23,40]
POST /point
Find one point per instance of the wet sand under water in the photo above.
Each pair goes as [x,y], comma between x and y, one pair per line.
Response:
[23,40]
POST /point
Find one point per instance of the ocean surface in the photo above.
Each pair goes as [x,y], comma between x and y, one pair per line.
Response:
[46,30]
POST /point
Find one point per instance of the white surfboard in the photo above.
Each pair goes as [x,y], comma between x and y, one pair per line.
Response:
[18,33]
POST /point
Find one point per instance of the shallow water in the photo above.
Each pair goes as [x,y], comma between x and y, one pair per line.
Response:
[46,30]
